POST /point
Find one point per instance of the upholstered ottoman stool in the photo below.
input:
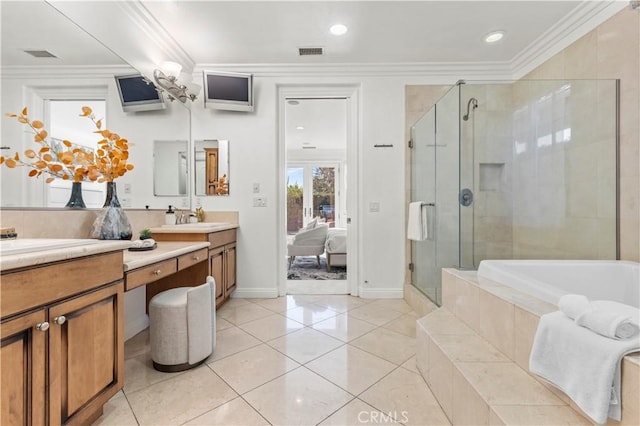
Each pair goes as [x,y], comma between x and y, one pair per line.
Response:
[182,326]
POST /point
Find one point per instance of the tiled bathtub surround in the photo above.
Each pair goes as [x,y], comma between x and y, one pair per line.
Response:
[483,334]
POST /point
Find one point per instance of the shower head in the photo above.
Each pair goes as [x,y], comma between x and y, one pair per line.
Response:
[473,103]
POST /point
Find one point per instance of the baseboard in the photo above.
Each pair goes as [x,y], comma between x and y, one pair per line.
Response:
[255,293]
[381,293]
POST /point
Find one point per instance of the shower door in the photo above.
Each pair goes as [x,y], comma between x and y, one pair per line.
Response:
[434,181]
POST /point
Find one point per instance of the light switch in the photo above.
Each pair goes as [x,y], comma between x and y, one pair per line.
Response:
[256,188]
[374,207]
[127,188]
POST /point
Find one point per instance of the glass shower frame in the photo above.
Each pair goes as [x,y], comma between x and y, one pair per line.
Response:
[539,158]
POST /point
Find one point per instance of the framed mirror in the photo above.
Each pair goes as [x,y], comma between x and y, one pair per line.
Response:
[170,170]
[211,167]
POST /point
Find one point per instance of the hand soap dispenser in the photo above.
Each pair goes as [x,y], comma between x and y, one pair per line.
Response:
[170,217]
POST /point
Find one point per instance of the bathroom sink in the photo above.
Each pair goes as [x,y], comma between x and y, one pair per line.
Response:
[27,245]
[198,225]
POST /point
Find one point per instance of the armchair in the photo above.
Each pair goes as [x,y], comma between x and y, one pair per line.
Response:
[308,242]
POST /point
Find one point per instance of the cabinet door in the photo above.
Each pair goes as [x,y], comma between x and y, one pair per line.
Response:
[230,265]
[22,376]
[86,354]
[216,259]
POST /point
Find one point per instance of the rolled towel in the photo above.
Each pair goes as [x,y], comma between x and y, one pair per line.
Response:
[608,324]
[574,305]
[149,242]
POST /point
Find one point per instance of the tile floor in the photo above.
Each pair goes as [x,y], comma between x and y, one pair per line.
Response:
[295,360]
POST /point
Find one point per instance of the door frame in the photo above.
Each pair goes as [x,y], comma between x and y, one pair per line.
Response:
[353,174]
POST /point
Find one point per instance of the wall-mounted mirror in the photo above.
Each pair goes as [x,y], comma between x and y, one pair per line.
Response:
[170,169]
[212,167]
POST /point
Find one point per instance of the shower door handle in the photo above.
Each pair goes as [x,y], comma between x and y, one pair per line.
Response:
[466,197]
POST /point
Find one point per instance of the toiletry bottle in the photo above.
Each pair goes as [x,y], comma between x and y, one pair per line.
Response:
[170,217]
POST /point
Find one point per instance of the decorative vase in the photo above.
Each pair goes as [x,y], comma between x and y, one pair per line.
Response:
[112,223]
[76,201]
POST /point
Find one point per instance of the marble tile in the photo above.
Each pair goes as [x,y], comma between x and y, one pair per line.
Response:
[467,348]
[117,412]
[270,327]
[181,398]
[466,305]
[407,397]
[344,327]
[350,368]
[253,367]
[448,289]
[526,325]
[467,406]
[310,314]
[496,322]
[358,412]
[506,384]
[281,304]
[442,321]
[630,391]
[299,397]
[234,302]
[137,345]
[222,324]
[423,340]
[230,341]
[411,364]
[139,373]
[305,345]
[374,314]
[342,303]
[394,347]
[439,376]
[235,412]
[406,325]
[394,304]
[535,415]
[243,313]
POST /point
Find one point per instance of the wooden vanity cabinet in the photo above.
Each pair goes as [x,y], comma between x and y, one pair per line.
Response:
[222,257]
[63,360]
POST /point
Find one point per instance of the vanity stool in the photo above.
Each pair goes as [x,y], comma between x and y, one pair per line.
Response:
[182,326]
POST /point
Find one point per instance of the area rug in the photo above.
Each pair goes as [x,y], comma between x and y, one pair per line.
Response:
[306,268]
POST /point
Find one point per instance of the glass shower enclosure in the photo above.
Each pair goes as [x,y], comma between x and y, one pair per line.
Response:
[521,169]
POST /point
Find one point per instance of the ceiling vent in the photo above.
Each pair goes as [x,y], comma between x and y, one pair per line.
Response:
[40,54]
[310,51]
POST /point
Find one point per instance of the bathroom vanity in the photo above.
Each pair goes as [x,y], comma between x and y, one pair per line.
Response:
[222,250]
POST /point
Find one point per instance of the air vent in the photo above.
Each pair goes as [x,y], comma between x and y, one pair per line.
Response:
[310,51]
[308,147]
[40,54]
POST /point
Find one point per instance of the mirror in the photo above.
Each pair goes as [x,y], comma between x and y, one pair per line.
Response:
[211,167]
[31,81]
[170,168]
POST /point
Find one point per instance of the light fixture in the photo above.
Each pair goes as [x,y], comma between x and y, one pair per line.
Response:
[338,29]
[168,78]
[493,36]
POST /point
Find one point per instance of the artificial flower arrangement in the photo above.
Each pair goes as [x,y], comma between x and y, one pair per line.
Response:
[69,161]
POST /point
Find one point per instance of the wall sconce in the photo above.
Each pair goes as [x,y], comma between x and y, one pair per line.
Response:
[167,79]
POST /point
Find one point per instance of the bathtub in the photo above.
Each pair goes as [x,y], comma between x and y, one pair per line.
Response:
[550,279]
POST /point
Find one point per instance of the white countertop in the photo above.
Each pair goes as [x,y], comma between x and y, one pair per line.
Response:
[194,228]
[165,250]
[25,252]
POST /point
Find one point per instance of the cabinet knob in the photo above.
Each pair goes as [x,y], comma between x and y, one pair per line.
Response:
[42,326]
[157,272]
[196,258]
[60,320]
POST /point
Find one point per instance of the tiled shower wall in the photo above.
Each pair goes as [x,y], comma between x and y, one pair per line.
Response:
[612,51]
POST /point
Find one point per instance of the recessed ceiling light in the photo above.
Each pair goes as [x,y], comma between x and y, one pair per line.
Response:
[493,36]
[338,29]
[300,128]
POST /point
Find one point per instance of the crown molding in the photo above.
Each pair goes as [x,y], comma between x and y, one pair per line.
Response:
[584,18]
[65,72]
[441,71]
[154,31]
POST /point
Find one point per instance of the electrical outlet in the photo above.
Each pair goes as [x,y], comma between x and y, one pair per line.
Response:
[198,202]
[185,202]
[256,188]
[259,201]
[127,188]
[126,202]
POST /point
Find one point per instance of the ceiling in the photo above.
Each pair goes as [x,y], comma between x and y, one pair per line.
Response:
[270,32]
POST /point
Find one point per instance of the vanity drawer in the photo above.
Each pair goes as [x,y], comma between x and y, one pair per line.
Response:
[149,274]
[192,258]
[221,238]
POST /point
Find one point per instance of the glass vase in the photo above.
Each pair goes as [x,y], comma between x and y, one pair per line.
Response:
[76,201]
[112,223]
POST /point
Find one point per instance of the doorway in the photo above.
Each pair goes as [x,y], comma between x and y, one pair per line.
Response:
[318,178]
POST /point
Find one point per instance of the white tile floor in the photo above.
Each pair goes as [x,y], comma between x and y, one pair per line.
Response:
[295,360]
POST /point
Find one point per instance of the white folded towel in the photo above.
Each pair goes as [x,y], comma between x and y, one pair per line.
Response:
[149,242]
[583,364]
[574,305]
[417,225]
[611,319]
